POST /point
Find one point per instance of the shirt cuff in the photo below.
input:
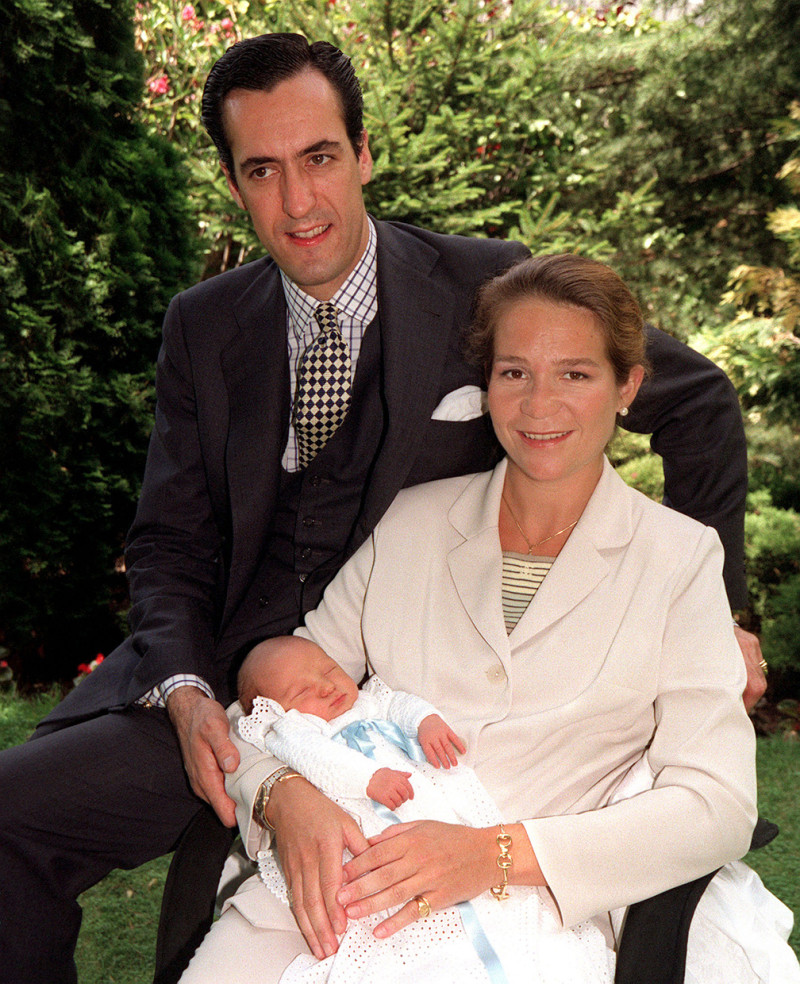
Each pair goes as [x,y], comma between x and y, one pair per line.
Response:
[157,697]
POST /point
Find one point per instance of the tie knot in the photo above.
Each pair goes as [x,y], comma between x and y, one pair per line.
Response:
[327,317]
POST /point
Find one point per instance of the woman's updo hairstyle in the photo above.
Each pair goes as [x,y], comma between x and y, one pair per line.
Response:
[563,278]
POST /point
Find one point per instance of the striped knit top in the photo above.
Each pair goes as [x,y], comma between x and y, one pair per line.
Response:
[522,575]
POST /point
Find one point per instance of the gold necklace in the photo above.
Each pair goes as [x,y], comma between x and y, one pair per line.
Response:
[522,532]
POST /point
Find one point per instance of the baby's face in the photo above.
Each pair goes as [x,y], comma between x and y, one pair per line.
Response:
[308,680]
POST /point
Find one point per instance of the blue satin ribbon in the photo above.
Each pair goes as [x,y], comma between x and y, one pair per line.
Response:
[357,736]
[480,941]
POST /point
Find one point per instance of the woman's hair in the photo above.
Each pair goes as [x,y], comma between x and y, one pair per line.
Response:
[563,279]
[262,63]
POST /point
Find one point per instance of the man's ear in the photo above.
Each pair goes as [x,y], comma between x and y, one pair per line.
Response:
[233,188]
[365,159]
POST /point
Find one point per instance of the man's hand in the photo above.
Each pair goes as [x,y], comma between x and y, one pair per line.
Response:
[439,742]
[202,728]
[756,679]
[311,834]
[390,787]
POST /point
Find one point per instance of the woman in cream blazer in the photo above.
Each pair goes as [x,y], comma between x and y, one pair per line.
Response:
[625,655]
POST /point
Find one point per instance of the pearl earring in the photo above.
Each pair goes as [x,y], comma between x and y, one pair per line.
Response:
[623,412]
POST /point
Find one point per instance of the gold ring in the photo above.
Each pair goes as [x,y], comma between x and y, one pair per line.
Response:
[423,906]
[290,897]
[763,664]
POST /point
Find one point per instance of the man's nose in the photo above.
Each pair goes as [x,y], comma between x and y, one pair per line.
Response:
[297,190]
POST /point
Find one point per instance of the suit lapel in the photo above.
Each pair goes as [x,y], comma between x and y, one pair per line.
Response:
[256,372]
[416,315]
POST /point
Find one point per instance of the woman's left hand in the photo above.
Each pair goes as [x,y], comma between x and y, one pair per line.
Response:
[445,863]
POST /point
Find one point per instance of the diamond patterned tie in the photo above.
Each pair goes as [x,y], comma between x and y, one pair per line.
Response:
[323,386]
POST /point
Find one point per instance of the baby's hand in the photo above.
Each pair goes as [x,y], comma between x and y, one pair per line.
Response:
[390,787]
[439,742]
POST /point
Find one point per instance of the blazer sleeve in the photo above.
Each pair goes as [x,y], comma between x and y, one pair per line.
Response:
[174,546]
[702,808]
[691,409]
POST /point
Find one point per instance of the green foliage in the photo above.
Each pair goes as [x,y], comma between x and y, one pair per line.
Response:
[687,104]
[781,628]
[179,43]
[94,241]
[772,553]
[636,464]
[774,460]
[759,348]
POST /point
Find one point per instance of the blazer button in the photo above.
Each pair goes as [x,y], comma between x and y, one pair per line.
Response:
[496,674]
[263,601]
[305,553]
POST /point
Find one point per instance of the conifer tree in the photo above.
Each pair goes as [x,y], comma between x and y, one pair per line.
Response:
[94,238]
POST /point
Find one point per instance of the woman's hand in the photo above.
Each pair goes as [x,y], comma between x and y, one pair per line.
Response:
[444,862]
[311,834]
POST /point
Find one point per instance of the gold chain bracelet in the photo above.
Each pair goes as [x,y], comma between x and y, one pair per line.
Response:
[504,862]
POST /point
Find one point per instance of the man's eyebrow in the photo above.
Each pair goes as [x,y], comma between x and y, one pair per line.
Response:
[315,148]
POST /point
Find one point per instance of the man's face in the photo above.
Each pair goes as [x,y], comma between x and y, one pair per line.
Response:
[297,175]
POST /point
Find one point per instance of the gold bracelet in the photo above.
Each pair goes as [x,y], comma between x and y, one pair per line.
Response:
[504,862]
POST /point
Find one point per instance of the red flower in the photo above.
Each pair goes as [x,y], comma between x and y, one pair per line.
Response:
[159,86]
[188,12]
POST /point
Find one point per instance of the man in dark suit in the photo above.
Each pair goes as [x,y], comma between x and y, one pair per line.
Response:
[239,527]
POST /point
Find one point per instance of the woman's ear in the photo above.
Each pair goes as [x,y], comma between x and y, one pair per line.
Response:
[629,389]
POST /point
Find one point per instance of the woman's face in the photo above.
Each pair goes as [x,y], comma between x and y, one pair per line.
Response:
[553,397]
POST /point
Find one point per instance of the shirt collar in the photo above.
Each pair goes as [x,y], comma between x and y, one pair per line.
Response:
[356,299]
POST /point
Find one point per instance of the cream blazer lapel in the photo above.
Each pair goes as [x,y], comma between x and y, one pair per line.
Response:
[476,564]
[584,562]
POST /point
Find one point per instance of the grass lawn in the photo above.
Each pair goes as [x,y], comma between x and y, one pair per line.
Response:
[117,940]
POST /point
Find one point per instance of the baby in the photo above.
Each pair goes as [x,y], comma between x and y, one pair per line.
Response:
[291,689]
[355,745]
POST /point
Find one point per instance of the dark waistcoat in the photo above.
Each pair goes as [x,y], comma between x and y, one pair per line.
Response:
[314,527]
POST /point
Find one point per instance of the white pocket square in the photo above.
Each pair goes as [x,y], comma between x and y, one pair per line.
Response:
[465,403]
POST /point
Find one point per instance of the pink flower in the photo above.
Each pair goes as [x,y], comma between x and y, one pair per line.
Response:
[158,86]
[188,12]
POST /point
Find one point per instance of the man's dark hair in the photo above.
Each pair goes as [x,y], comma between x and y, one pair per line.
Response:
[259,64]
